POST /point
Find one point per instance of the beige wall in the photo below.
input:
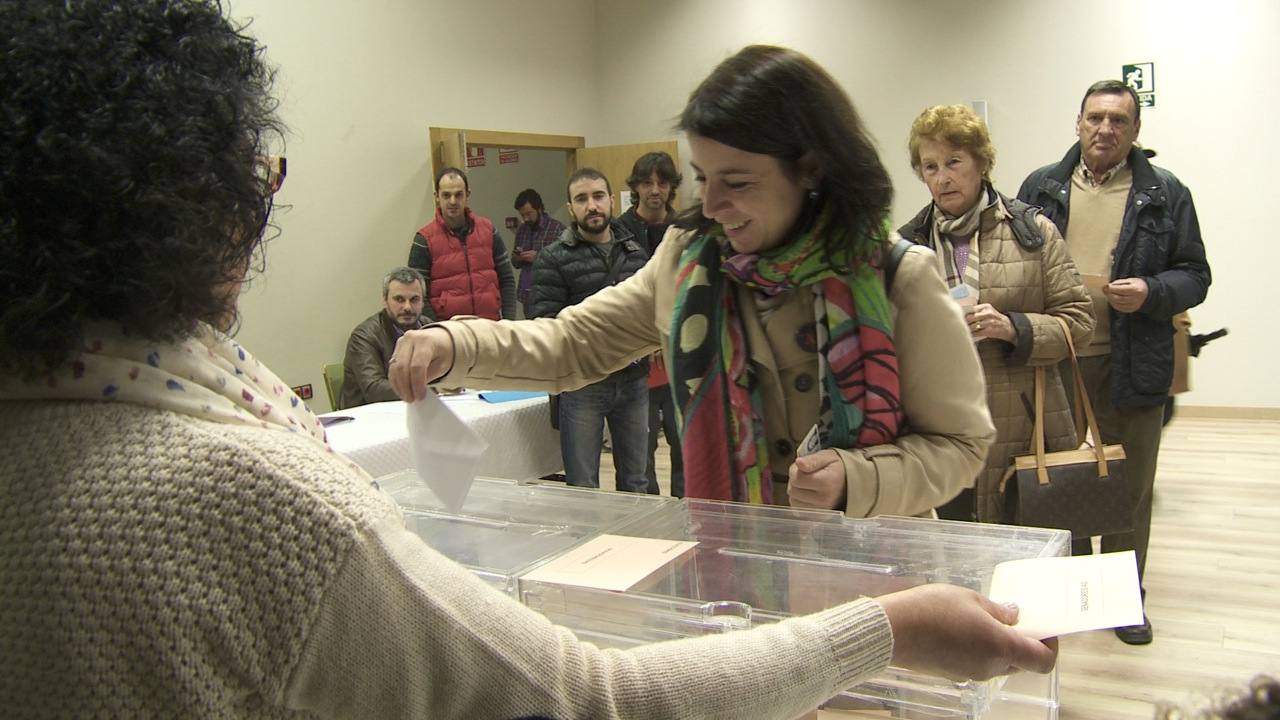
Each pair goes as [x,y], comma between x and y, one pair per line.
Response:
[1213,123]
[361,83]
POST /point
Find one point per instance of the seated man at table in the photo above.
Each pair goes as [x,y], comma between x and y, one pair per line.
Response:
[364,371]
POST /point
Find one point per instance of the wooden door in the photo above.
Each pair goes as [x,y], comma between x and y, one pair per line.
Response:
[448,149]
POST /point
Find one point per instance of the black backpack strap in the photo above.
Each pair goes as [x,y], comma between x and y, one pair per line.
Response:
[891,265]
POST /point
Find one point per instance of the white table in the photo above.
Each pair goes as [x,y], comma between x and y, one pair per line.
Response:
[522,443]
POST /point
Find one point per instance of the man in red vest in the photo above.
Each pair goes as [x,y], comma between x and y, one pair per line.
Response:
[462,257]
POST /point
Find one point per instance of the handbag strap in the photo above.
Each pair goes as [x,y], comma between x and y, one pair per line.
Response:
[1082,401]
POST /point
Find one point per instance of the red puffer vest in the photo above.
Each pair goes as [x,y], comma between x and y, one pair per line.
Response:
[463,279]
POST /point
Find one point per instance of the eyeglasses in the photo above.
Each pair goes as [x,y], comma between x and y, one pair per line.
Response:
[271,171]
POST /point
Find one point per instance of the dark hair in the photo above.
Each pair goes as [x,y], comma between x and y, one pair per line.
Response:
[776,101]
[403,275]
[1259,701]
[586,173]
[128,185]
[1113,87]
[529,196]
[466,186]
[650,163]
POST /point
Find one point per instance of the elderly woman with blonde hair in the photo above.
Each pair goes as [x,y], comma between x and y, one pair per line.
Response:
[1010,270]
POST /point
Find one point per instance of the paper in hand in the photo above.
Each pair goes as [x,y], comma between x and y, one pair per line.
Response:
[445,450]
[964,296]
[1093,282]
[1062,595]
[810,444]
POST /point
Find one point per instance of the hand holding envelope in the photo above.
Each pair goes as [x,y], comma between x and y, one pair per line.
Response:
[445,450]
[1062,595]
[421,356]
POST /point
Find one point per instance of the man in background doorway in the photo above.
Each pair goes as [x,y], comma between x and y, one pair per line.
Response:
[537,230]
[653,182]
[462,257]
[1133,232]
[364,369]
[596,252]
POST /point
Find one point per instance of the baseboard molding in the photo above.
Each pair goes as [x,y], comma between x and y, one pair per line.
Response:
[1228,413]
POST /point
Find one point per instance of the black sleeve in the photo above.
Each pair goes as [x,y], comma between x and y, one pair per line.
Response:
[1186,281]
[506,276]
[420,258]
[550,293]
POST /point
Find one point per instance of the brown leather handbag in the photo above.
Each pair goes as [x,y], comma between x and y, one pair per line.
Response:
[1082,490]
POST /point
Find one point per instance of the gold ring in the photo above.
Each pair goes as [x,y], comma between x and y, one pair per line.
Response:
[976,326]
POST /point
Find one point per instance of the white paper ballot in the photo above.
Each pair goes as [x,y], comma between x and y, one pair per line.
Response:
[445,451]
[1062,595]
[611,562]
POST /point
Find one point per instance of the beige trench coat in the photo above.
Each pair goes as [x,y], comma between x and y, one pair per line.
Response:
[948,426]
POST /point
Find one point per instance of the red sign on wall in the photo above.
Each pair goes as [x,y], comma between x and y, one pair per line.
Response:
[508,155]
[475,156]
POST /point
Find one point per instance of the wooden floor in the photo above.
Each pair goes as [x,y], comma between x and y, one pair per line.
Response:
[1213,577]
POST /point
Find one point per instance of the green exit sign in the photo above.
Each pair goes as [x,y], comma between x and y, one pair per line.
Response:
[1142,78]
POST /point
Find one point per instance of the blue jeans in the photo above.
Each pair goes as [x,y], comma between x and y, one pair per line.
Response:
[622,399]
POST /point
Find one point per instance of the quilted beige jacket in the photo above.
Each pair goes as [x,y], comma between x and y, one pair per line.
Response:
[949,429]
[1031,286]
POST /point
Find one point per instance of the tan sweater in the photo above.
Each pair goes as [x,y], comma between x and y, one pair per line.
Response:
[1093,231]
[949,427]
[158,565]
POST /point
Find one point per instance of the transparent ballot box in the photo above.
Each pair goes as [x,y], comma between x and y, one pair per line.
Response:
[757,564]
[505,529]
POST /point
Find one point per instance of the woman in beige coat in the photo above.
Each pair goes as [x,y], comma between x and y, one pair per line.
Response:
[799,376]
[1022,281]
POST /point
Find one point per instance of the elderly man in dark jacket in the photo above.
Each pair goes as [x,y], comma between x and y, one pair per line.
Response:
[594,253]
[1132,227]
[364,370]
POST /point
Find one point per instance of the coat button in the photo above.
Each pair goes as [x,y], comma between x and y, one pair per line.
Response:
[804,382]
[807,337]
[784,447]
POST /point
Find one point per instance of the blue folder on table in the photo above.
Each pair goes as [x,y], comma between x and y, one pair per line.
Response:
[498,396]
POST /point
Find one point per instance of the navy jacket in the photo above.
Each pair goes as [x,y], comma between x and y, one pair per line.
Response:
[1160,243]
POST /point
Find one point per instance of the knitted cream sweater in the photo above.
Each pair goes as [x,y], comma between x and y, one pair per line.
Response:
[158,565]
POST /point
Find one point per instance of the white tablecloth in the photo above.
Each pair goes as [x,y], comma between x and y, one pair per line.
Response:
[522,443]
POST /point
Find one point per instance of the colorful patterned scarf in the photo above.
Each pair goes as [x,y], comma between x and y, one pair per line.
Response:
[717,395]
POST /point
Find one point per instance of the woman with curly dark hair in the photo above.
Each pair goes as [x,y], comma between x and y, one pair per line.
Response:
[177,540]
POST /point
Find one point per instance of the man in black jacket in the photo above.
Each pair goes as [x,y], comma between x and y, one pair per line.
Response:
[1132,230]
[592,254]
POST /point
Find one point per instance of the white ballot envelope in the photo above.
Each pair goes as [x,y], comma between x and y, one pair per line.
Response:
[964,296]
[445,450]
[1093,282]
[1063,595]
[611,562]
